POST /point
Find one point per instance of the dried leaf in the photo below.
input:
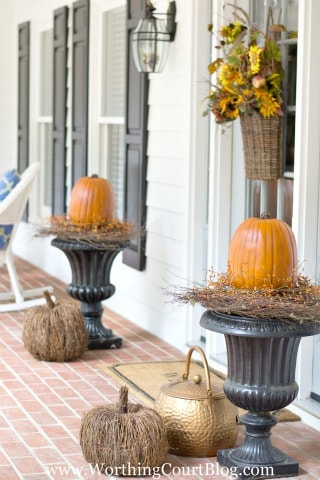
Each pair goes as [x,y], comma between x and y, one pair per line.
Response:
[277,28]
[213,67]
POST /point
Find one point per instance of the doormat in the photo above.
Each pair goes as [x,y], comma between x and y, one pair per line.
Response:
[145,379]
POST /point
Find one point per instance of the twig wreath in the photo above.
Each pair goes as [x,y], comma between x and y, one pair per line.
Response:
[111,234]
[300,303]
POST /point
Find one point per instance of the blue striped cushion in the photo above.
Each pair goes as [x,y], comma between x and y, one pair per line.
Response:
[7,182]
[5,233]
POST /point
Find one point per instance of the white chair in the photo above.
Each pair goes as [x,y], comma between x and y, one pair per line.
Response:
[11,211]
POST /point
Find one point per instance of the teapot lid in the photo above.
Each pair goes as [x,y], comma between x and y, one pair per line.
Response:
[193,390]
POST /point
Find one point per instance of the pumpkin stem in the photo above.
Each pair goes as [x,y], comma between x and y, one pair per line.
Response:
[123,400]
[94,176]
[48,298]
[265,215]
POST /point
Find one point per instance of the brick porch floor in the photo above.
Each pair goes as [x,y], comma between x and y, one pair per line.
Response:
[42,403]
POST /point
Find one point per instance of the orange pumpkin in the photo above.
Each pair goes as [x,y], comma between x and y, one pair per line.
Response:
[91,201]
[262,254]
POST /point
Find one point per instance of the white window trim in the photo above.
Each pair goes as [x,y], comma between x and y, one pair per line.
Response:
[196,194]
[95,86]
[36,198]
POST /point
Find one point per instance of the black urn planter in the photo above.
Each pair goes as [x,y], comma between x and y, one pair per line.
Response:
[262,358]
[90,285]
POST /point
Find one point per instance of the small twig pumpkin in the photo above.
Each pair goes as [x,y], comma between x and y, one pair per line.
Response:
[123,437]
[55,332]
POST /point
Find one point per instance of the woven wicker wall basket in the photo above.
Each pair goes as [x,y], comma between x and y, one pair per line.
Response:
[262,146]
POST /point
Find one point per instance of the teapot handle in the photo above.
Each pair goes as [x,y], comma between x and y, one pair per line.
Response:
[205,365]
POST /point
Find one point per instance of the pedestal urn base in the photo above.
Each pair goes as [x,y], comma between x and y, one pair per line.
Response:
[262,357]
[90,285]
[100,337]
[257,457]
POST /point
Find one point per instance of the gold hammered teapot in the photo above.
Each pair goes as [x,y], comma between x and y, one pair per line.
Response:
[199,418]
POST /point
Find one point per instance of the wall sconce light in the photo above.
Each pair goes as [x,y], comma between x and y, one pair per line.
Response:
[150,40]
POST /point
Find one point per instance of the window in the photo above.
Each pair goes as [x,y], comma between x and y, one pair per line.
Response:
[113,102]
[285,12]
[45,118]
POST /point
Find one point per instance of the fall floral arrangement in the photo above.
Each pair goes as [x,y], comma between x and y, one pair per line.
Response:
[248,73]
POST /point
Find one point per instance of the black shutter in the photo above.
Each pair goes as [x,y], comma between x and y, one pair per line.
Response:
[135,143]
[23,95]
[23,98]
[59,130]
[80,56]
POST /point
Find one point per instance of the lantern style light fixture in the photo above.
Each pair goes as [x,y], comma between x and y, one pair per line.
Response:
[150,40]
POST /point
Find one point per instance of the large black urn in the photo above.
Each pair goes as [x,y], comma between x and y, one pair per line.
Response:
[90,267]
[262,356]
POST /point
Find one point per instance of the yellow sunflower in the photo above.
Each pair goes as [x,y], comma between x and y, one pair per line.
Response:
[267,104]
[229,75]
[232,31]
[247,93]
[229,107]
[254,57]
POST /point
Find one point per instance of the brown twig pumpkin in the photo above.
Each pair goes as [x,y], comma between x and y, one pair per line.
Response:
[91,201]
[125,438]
[55,332]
